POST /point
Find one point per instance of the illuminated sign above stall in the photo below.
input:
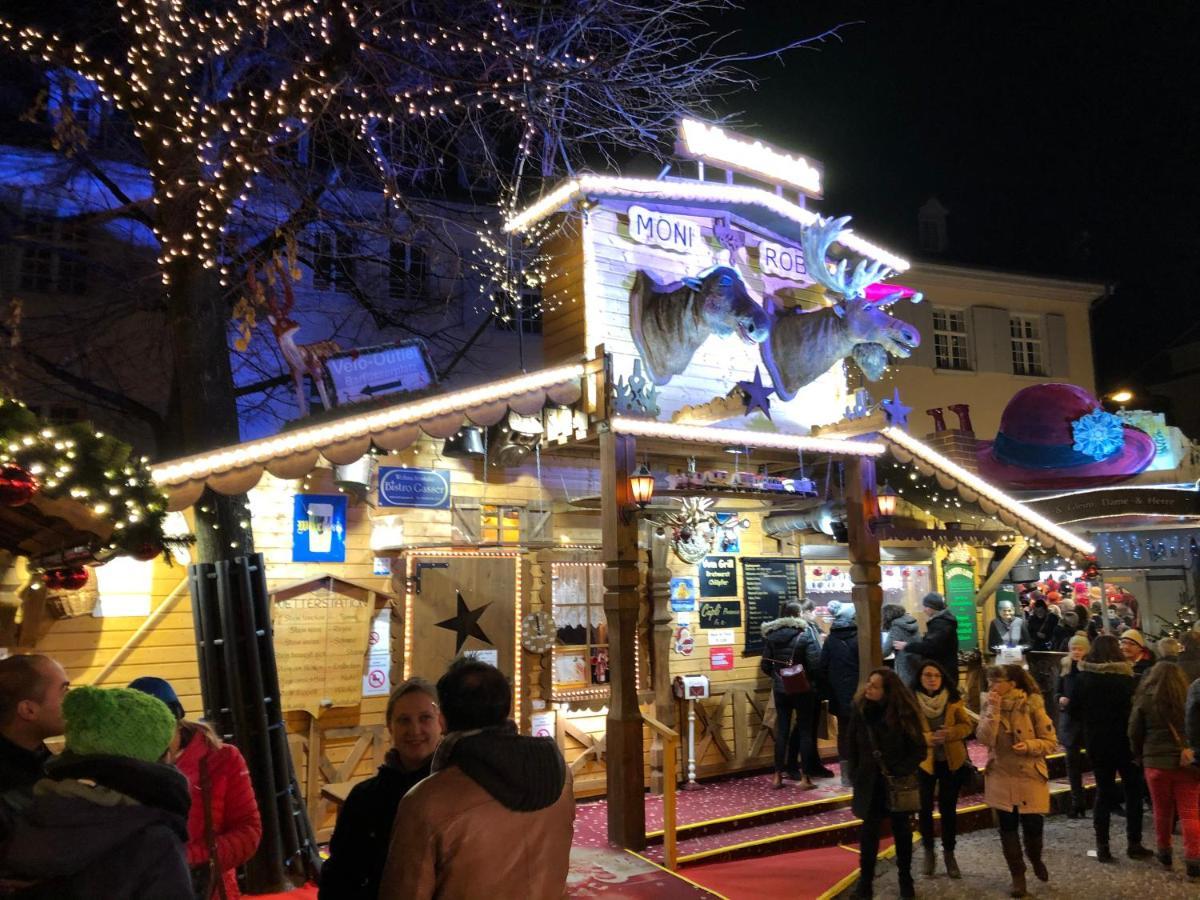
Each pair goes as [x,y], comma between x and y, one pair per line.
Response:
[711,144]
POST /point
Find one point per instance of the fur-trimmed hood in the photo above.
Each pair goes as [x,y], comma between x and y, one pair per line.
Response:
[1106,668]
[784,622]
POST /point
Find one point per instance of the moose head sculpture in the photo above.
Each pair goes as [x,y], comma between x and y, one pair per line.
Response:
[670,322]
[802,346]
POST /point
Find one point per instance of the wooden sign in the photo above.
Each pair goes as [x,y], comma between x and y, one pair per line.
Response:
[720,614]
[321,630]
[766,584]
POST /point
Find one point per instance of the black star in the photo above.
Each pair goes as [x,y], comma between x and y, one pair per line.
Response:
[756,395]
[465,623]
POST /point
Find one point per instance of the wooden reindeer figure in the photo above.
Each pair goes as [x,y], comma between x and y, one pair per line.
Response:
[302,359]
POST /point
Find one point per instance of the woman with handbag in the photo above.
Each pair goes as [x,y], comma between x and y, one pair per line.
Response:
[1019,736]
[943,768]
[224,827]
[885,742]
[791,656]
[1156,729]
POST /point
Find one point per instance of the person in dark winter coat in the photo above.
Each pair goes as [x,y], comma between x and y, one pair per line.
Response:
[221,792]
[883,718]
[1042,624]
[839,670]
[1070,729]
[32,688]
[110,817]
[941,636]
[1156,737]
[1102,699]
[1189,659]
[1008,630]
[359,846]
[495,819]
[1068,627]
[900,626]
[787,641]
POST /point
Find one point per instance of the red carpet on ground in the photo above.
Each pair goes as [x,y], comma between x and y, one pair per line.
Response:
[800,875]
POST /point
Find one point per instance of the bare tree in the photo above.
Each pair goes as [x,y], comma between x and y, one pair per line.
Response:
[408,99]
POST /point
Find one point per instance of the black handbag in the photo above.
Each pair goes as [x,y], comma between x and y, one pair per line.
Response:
[903,791]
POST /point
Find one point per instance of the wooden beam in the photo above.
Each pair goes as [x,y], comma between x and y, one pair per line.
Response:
[623,727]
[864,563]
[659,577]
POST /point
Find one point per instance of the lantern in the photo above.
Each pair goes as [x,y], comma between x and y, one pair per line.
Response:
[885,503]
[641,486]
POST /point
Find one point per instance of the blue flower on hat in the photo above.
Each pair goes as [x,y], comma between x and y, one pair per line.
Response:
[1099,434]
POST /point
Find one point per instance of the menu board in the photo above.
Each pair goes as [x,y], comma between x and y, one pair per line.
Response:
[959,579]
[320,641]
[767,584]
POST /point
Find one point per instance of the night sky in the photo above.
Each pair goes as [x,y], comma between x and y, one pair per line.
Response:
[1063,137]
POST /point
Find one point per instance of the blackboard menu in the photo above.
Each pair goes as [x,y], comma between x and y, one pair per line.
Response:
[766,585]
[718,576]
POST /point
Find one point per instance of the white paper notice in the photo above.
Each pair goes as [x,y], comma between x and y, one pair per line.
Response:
[124,585]
[491,657]
[720,636]
[377,674]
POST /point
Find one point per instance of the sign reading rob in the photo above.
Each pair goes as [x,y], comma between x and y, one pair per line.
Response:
[424,488]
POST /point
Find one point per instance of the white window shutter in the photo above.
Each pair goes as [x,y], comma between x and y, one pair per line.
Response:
[991,339]
[1056,361]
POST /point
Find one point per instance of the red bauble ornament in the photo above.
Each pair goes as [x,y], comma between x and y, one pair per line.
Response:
[835,572]
[147,551]
[71,578]
[17,485]
[818,572]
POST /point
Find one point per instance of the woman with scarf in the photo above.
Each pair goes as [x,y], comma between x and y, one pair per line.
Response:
[1019,736]
[1102,699]
[885,736]
[1008,630]
[1070,729]
[948,726]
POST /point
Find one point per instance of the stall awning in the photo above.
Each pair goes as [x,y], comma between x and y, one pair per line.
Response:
[951,476]
[295,453]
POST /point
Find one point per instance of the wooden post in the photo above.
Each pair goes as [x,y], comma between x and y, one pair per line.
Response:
[864,563]
[623,729]
[659,577]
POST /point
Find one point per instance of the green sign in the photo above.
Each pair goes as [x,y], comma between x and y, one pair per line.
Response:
[959,580]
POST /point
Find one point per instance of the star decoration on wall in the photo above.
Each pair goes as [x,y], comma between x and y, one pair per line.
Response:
[895,410]
[756,395]
[465,623]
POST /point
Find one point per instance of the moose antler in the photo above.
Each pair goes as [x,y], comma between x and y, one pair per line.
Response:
[816,240]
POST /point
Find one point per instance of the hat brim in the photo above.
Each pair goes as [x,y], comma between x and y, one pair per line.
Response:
[1135,455]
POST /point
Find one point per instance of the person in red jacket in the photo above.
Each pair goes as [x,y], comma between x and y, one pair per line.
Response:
[228,802]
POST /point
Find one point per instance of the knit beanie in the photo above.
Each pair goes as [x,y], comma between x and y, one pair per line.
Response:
[1079,640]
[160,688]
[934,600]
[117,722]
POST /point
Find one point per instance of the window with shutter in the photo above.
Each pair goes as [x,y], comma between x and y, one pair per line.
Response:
[950,347]
[464,521]
[1028,357]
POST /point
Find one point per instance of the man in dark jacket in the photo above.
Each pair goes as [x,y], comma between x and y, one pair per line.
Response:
[839,672]
[359,846]
[32,688]
[496,816]
[110,817]
[787,641]
[941,636]
[1136,653]
[1042,625]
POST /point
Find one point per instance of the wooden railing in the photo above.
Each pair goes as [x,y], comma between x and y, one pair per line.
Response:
[670,756]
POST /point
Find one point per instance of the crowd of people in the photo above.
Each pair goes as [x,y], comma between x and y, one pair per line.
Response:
[144,803]
[1128,710]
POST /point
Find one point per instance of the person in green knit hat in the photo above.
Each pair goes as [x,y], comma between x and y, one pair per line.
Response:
[110,818]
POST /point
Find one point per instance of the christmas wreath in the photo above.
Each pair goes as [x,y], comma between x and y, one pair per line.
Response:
[78,463]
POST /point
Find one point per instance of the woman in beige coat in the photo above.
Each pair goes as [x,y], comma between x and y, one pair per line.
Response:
[1019,735]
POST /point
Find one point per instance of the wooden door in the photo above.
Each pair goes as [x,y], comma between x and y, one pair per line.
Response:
[464,604]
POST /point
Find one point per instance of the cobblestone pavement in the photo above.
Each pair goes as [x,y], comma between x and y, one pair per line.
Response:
[1073,874]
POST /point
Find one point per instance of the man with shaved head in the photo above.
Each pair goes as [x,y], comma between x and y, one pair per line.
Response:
[32,688]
